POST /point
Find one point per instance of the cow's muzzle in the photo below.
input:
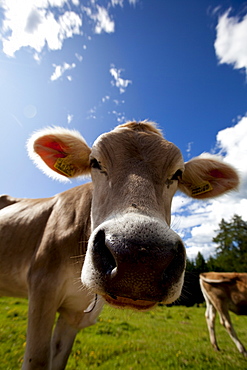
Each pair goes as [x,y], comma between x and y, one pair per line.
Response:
[135,261]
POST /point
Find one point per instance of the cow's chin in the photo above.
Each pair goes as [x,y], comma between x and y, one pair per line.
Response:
[122,302]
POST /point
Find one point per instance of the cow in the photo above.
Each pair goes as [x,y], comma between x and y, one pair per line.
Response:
[224,292]
[108,240]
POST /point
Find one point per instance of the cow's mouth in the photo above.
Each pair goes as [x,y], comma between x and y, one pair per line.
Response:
[122,302]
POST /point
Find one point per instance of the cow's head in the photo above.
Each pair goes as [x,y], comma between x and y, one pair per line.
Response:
[133,258]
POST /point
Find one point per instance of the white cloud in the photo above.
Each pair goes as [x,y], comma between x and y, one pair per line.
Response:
[39,23]
[118,102]
[231,40]
[79,57]
[196,221]
[206,250]
[69,118]
[180,202]
[120,116]
[120,2]
[119,81]
[60,70]
[188,150]
[31,23]
[102,19]
[233,142]
[92,113]
[117,2]
[105,98]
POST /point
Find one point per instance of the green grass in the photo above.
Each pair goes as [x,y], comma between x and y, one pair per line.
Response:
[165,338]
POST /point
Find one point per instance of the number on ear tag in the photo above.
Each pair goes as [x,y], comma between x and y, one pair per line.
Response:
[63,165]
[201,189]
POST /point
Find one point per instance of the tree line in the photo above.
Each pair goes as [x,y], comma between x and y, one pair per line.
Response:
[230,256]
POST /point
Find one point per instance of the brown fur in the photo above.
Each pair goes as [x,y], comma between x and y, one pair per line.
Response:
[123,214]
[144,126]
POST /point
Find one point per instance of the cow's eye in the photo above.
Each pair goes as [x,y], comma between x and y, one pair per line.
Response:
[177,175]
[95,164]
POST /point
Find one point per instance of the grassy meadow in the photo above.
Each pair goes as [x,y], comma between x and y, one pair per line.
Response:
[165,338]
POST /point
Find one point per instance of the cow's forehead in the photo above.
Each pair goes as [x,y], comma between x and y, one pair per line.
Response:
[124,134]
[150,141]
[131,127]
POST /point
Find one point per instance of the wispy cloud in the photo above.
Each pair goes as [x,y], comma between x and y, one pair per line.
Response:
[33,24]
[105,98]
[121,2]
[79,57]
[120,116]
[188,150]
[118,81]
[101,18]
[196,221]
[117,2]
[106,104]
[70,118]
[231,40]
[60,70]
[133,2]
[122,85]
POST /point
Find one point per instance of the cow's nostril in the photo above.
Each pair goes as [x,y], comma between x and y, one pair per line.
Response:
[176,265]
[103,259]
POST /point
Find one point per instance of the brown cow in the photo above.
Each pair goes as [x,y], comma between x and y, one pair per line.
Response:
[224,292]
[120,222]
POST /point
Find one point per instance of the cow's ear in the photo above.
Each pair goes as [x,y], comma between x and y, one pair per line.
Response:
[60,153]
[207,178]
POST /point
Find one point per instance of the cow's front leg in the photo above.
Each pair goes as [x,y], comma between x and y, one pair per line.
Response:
[67,326]
[41,317]
[62,342]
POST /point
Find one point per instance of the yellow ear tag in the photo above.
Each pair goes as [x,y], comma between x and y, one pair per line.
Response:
[65,166]
[202,188]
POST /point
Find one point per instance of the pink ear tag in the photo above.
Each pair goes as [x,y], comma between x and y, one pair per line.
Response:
[65,166]
[201,189]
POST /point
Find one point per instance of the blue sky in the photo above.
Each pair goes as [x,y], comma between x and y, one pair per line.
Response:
[90,65]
